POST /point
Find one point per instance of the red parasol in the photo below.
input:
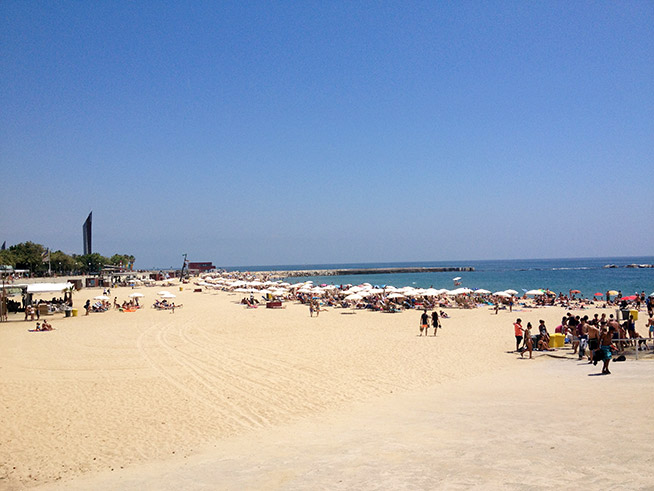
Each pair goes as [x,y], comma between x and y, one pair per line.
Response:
[629,298]
[575,291]
[598,294]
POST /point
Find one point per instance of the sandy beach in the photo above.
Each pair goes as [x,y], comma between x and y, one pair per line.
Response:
[218,396]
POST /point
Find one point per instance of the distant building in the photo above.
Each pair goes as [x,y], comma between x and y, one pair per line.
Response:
[86,233]
[200,267]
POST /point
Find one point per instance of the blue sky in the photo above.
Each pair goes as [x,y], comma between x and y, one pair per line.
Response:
[250,133]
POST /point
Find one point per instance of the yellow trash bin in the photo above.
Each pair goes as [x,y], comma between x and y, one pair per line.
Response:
[74,312]
[557,340]
[181,288]
[635,314]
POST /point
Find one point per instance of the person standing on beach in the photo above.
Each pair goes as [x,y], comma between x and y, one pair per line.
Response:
[593,340]
[435,322]
[606,338]
[529,343]
[424,322]
[519,331]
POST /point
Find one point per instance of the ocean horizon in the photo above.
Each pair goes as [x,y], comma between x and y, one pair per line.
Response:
[587,275]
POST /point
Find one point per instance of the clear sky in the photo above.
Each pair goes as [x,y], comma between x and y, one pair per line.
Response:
[249,133]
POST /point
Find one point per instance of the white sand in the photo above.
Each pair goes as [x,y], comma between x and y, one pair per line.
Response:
[222,397]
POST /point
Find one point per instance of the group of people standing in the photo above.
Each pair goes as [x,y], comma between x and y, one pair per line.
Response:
[592,335]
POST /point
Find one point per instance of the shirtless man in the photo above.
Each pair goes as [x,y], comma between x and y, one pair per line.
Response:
[606,338]
[593,340]
[650,325]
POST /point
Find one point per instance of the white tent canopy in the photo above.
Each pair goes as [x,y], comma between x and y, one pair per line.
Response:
[48,287]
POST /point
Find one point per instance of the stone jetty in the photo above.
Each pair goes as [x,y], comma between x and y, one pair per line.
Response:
[342,272]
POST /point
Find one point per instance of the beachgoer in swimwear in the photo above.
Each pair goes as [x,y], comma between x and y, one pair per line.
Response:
[529,343]
[605,339]
[593,341]
[424,323]
[519,331]
[435,322]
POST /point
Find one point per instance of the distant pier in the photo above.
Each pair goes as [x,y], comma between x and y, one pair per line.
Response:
[343,272]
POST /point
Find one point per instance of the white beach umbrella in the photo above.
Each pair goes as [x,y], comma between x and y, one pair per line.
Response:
[460,291]
[101,297]
[163,292]
[535,292]
[431,292]
[168,295]
[396,295]
[481,291]
[354,296]
[134,295]
[511,292]
[502,294]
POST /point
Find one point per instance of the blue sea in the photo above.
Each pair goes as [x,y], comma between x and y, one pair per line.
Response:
[559,275]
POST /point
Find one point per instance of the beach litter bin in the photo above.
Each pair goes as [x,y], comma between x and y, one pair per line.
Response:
[74,311]
[634,313]
[557,340]
[181,288]
[67,312]
[625,314]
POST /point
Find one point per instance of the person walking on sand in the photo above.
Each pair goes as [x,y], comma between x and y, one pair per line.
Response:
[435,322]
[519,331]
[311,308]
[424,322]
[529,343]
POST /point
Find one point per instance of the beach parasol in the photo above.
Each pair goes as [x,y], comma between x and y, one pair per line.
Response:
[630,298]
[502,294]
[481,291]
[535,292]
[168,295]
[460,291]
[101,297]
[133,295]
[575,291]
[598,294]
[612,292]
[511,292]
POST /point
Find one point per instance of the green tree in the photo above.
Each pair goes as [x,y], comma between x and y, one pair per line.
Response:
[121,260]
[62,263]
[7,258]
[29,255]
[91,263]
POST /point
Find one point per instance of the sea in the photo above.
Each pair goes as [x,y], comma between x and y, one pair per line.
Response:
[588,275]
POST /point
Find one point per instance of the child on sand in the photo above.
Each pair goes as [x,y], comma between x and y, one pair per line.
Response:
[529,343]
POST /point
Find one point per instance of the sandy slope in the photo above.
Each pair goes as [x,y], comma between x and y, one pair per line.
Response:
[123,390]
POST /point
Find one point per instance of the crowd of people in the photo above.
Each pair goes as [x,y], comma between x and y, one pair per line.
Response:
[596,339]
